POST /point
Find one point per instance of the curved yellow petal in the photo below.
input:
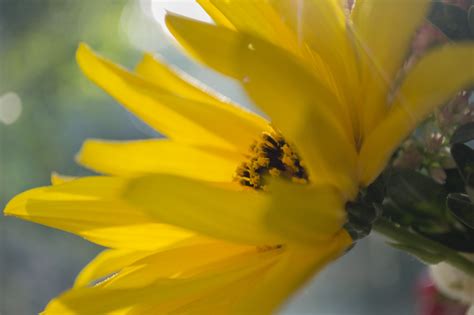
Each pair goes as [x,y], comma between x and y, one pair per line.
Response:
[204,278]
[215,13]
[204,207]
[322,26]
[263,280]
[315,121]
[179,118]
[292,25]
[57,178]
[431,82]
[166,294]
[247,271]
[131,158]
[179,262]
[171,260]
[106,263]
[305,213]
[175,81]
[294,268]
[255,17]
[90,207]
[383,50]
[242,216]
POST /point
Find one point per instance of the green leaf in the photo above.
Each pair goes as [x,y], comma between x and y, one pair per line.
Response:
[462,208]
[416,193]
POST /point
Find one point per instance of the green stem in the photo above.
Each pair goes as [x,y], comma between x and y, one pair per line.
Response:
[405,236]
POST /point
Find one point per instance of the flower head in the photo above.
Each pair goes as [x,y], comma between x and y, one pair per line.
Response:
[231,212]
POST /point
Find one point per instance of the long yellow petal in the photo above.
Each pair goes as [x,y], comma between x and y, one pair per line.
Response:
[175,81]
[295,268]
[322,26]
[243,216]
[435,79]
[317,211]
[215,13]
[248,270]
[179,262]
[90,208]
[294,26]
[255,17]
[132,268]
[307,113]
[106,263]
[57,178]
[277,274]
[131,158]
[211,210]
[383,50]
[179,118]
[119,299]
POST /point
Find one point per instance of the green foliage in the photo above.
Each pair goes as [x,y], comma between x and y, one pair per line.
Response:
[441,212]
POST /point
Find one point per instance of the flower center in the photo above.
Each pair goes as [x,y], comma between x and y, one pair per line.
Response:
[270,155]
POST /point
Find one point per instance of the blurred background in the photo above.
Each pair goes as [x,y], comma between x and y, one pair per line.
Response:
[48,108]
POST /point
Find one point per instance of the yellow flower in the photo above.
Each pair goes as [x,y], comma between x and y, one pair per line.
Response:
[193,222]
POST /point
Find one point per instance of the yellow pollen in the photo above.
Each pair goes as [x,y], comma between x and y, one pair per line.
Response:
[271,155]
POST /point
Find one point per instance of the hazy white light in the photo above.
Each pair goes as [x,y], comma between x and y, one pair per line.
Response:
[188,8]
[10,108]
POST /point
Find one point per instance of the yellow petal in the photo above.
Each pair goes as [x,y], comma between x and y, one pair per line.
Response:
[254,17]
[57,178]
[295,268]
[317,211]
[90,208]
[168,261]
[211,210]
[242,216]
[156,156]
[106,263]
[276,275]
[178,262]
[215,13]
[163,292]
[321,25]
[432,82]
[374,26]
[247,271]
[292,25]
[307,113]
[176,82]
[179,118]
